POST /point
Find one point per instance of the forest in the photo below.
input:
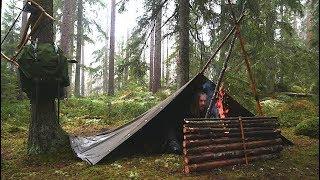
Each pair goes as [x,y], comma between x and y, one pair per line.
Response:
[121,58]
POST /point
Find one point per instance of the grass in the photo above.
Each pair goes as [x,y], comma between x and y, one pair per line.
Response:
[89,115]
[297,162]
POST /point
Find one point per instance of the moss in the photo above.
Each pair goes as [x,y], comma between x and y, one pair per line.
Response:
[297,162]
[308,127]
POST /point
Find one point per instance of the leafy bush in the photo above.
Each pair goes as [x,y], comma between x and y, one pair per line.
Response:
[308,127]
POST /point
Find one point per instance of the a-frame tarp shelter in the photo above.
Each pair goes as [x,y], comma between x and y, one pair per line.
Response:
[148,130]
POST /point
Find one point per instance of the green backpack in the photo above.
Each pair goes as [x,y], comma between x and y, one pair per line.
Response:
[44,68]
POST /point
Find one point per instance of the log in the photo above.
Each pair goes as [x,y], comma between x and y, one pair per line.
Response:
[230,121]
[229,147]
[293,94]
[223,140]
[230,118]
[231,154]
[232,125]
[209,130]
[265,133]
[217,164]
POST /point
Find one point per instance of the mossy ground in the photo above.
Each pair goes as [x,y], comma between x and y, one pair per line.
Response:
[88,115]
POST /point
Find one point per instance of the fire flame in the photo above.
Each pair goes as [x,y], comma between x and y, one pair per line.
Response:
[223,111]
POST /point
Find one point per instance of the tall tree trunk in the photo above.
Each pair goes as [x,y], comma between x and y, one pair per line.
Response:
[183,60]
[66,35]
[82,69]
[78,53]
[105,70]
[112,44]
[151,58]
[89,87]
[270,23]
[71,45]
[309,25]
[162,62]
[106,58]
[126,68]
[270,33]
[202,53]
[157,54]
[167,64]
[45,132]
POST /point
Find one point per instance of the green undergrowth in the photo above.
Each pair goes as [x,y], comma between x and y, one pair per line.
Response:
[106,111]
[308,127]
[301,113]
[97,113]
[296,162]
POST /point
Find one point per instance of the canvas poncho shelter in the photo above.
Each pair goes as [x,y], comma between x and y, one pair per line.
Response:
[148,131]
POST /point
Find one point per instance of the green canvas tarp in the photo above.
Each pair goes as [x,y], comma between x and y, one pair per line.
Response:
[148,131]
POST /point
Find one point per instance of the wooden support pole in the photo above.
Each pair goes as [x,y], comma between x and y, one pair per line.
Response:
[41,9]
[220,46]
[243,140]
[221,75]
[8,59]
[24,41]
[247,62]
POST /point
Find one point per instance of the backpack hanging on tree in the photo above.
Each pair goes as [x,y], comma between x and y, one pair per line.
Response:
[43,66]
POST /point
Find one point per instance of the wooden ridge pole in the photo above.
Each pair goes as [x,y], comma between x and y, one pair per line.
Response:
[221,75]
[221,44]
[247,62]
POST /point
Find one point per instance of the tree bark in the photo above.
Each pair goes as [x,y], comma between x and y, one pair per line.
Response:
[112,44]
[157,54]
[167,64]
[126,68]
[105,70]
[45,132]
[105,62]
[183,60]
[78,53]
[66,35]
[151,58]
[270,20]
[71,66]
[82,69]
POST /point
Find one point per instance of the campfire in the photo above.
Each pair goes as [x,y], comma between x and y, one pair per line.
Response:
[222,110]
[210,143]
